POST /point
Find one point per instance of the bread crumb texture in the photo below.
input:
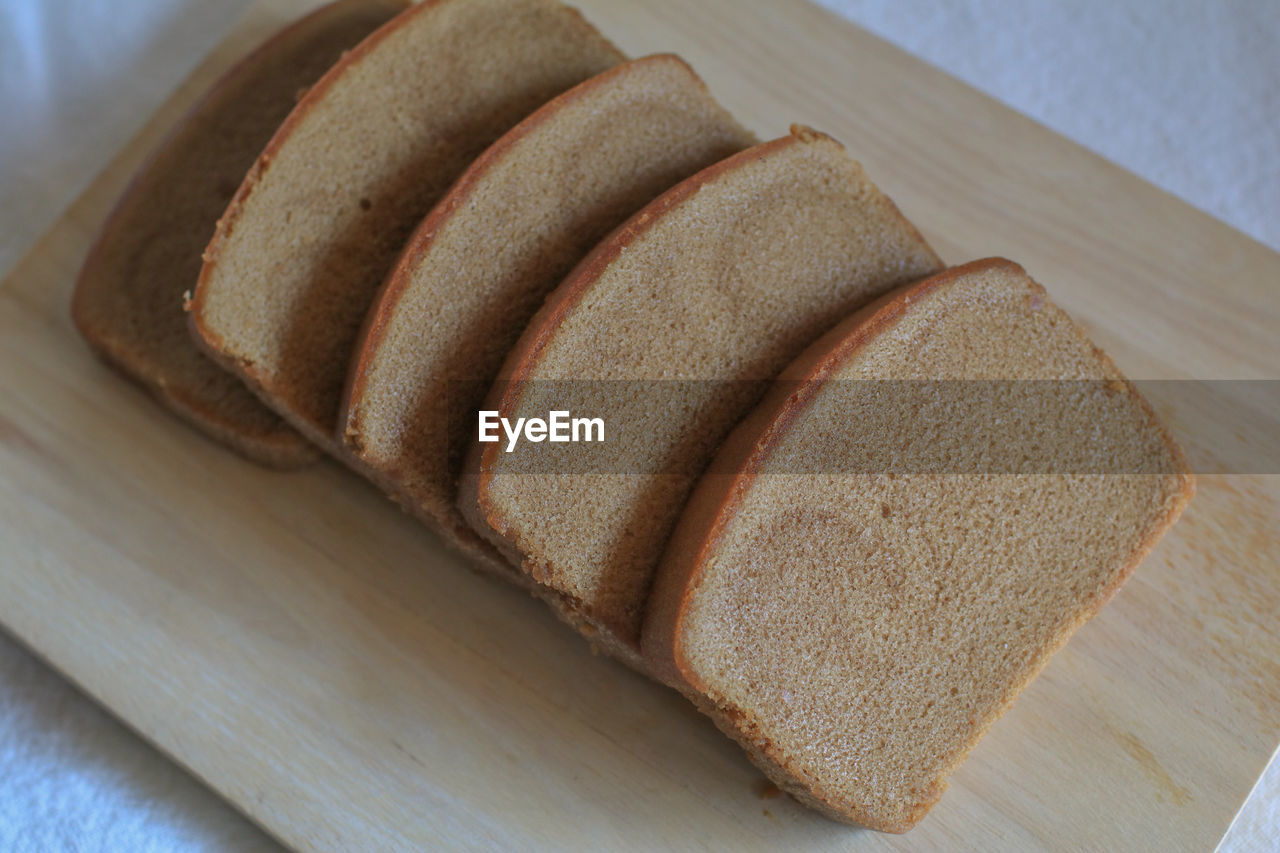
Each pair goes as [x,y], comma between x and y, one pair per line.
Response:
[725,278]
[507,233]
[860,632]
[318,223]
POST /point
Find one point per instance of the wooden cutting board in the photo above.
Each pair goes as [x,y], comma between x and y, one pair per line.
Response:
[324,664]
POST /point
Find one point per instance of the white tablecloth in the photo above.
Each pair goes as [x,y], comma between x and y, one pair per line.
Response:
[1185,93]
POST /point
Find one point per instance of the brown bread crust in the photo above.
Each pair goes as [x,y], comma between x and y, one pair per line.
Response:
[715,502]
[197,392]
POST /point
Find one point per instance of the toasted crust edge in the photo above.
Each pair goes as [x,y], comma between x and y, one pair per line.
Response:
[717,498]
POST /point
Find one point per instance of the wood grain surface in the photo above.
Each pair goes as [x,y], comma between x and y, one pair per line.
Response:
[321,661]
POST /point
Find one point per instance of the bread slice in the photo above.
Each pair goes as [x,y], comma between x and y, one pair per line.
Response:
[857,631]
[318,222]
[128,298]
[722,279]
[458,298]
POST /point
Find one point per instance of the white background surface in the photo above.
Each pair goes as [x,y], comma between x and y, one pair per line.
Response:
[1185,93]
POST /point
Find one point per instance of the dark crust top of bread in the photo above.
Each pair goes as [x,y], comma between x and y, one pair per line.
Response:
[473,500]
[717,498]
[281,447]
[384,305]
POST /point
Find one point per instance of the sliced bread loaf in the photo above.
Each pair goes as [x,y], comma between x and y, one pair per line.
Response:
[722,279]
[859,631]
[483,260]
[128,298]
[317,224]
